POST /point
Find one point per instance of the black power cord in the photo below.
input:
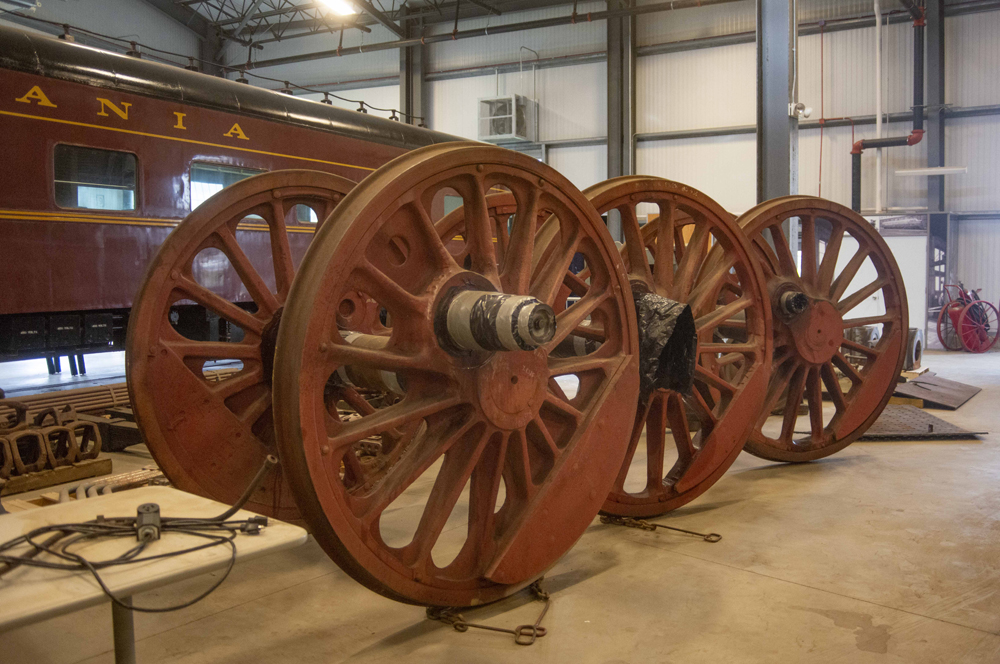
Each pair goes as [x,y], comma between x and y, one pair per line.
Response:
[63,538]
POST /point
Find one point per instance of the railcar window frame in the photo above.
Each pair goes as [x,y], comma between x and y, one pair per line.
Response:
[195,163]
[136,186]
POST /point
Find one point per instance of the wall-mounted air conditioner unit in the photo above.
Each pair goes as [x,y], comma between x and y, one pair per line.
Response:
[508,118]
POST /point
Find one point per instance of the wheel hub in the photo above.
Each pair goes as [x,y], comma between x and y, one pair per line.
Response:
[511,387]
[818,332]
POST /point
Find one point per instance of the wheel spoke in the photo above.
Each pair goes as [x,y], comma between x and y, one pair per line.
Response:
[218,304]
[860,348]
[344,354]
[707,289]
[261,294]
[825,277]
[795,391]
[214,350]
[256,409]
[479,234]
[561,403]
[859,296]
[572,318]
[712,320]
[399,301]
[680,429]
[516,277]
[641,417]
[459,463]
[408,469]
[847,368]
[807,224]
[561,366]
[833,387]
[656,442]
[634,247]
[238,383]
[545,286]
[814,396]
[868,320]
[786,262]
[709,379]
[390,417]
[432,234]
[663,278]
[847,275]
[281,253]
[694,254]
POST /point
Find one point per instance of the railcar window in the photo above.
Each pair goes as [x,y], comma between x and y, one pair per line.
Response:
[208,179]
[94,179]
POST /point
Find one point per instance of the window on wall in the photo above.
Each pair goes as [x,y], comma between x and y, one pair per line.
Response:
[209,179]
[94,179]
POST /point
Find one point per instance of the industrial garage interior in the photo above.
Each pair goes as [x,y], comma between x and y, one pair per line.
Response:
[499,331]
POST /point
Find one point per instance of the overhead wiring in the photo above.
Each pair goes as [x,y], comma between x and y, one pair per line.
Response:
[159,54]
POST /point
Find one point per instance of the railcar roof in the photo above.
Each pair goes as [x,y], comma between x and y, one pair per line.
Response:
[55,58]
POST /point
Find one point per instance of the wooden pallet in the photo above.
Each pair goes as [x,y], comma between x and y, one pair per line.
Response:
[45,478]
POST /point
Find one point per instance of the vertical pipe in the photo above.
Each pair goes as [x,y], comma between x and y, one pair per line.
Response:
[878,105]
[918,75]
[856,181]
[124,632]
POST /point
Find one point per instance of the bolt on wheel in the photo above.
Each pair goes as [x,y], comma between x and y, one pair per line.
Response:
[692,252]
[843,280]
[235,255]
[475,479]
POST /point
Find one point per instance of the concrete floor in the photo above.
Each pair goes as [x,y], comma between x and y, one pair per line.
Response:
[886,552]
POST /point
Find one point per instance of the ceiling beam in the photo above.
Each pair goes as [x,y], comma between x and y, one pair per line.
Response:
[380,17]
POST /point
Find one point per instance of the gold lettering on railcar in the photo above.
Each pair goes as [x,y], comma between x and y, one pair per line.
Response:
[236,132]
[180,120]
[39,96]
[120,112]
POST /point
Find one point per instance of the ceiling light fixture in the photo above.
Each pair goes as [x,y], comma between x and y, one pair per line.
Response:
[341,7]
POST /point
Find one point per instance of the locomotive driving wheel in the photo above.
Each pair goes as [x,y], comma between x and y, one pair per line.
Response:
[210,437]
[845,278]
[484,434]
[695,254]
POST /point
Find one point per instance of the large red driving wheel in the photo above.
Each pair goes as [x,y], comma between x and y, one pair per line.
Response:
[483,432]
[947,325]
[978,326]
[210,437]
[693,253]
[844,278]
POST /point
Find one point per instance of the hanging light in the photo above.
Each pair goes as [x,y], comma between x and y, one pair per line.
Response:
[361,108]
[326,99]
[340,7]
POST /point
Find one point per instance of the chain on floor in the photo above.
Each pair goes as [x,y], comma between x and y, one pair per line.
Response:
[524,635]
[629,522]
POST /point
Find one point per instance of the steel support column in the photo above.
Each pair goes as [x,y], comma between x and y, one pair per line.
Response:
[621,102]
[411,77]
[934,15]
[775,127]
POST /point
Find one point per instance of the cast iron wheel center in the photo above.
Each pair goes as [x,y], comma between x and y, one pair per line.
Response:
[511,387]
[818,332]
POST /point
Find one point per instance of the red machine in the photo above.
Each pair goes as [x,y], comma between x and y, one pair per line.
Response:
[967,322]
[105,154]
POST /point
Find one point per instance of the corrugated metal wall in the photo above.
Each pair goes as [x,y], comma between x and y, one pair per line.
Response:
[977,245]
[712,87]
[972,59]
[715,165]
[582,37]
[572,101]
[975,143]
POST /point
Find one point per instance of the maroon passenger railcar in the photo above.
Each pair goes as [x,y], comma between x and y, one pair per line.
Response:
[103,154]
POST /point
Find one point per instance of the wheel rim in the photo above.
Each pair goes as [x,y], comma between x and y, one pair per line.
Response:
[947,325]
[709,266]
[554,453]
[977,326]
[210,438]
[812,346]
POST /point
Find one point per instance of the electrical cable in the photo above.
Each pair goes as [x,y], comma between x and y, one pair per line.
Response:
[238,70]
[217,530]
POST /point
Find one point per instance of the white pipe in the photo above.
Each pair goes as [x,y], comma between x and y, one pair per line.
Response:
[878,105]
